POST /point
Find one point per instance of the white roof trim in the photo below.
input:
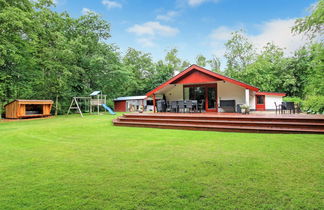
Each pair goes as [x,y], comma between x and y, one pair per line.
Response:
[127,98]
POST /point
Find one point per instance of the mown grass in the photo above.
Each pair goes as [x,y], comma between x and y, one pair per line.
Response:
[86,163]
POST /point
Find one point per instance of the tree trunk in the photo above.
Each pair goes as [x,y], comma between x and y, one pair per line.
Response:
[56,105]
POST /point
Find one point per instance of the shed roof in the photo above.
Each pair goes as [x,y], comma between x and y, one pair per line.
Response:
[127,98]
[94,93]
[26,101]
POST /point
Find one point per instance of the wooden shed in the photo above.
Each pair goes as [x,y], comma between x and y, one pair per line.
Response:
[28,108]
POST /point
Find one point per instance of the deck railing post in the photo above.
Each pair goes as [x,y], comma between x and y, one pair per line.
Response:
[154,103]
[247,97]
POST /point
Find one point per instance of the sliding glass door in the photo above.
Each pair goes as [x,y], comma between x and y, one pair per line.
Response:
[211,98]
[204,93]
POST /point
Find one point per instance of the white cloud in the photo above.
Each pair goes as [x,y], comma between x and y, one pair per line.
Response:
[218,37]
[222,33]
[275,31]
[194,3]
[148,32]
[168,16]
[111,4]
[153,28]
[146,42]
[279,32]
[86,11]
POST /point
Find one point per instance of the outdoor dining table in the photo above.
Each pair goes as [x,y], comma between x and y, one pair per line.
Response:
[183,105]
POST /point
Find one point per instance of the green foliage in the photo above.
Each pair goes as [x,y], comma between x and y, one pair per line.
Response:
[172,60]
[239,53]
[314,104]
[296,100]
[215,64]
[269,71]
[201,60]
[140,67]
[315,72]
[312,24]
[49,55]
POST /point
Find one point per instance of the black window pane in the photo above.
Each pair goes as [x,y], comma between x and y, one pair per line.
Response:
[260,99]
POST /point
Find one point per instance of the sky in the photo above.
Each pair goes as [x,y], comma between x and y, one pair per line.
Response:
[194,26]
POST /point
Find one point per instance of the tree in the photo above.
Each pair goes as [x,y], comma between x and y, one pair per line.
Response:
[239,53]
[312,24]
[215,64]
[46,54]
[162,73]
[141,67]
[16,48]
[201,60]
[185,64]
[315,83]
[269,72]
[299,65]
[172,60]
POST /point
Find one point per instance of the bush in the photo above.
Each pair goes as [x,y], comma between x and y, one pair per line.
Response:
[110,103]
[296,100]
[314,105]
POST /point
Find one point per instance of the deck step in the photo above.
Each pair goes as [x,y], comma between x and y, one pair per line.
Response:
[234,117]
[229,123]
[253,129]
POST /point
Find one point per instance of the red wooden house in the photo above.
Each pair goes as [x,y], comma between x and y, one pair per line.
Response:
[219,93]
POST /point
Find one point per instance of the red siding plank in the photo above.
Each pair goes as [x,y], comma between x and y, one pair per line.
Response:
[120,106]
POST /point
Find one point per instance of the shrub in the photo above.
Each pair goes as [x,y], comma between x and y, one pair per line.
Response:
[110,103]
[314,105]
[296,100]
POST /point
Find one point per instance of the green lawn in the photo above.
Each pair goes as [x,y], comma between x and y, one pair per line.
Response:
[86,163]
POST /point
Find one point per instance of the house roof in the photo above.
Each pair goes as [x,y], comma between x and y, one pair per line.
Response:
[127,98]
[270,94]
[205,71]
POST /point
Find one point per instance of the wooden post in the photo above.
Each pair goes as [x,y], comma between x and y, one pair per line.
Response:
[56,105]
[98,103]
[154,103]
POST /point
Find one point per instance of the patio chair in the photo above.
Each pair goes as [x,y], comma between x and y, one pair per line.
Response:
[181,106]
[201,105]
[189,105]
[298,108]
[283,107]
[160,105]
[194,105]
[291,107]
[174,106]
[278,107]
[168,106]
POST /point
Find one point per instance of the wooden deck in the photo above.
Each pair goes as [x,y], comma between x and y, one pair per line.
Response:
[229,122]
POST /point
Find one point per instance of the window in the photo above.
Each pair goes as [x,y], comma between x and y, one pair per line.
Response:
[260,99]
